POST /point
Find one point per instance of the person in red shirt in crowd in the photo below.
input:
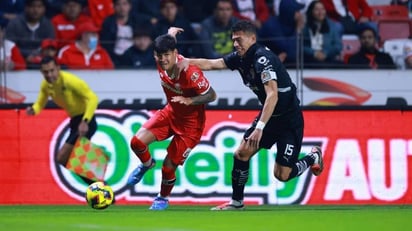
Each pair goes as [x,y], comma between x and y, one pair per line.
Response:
[86,53]
[49,47]
[183,117]
[67,23]
[357,10]
[10,56]
[99,10]
[257,11]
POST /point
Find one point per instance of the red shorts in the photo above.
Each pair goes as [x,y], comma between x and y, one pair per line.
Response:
[186,136]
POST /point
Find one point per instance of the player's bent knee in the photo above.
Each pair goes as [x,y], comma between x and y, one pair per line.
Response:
[137,145]
[282,176]
[243,155]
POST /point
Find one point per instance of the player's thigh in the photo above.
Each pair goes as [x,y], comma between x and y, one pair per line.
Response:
[180,148]
[158,125]
[269,135]
[245,151]
[288,146]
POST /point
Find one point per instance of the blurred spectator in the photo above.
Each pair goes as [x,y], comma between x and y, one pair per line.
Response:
[99,10]
[399,2]
[408,54]
[9,9]
[216,31]
[256,11]
[140,55]
[85,53]
[187,45]
[279,33]
[350,15]
[196,13]
[54,7]
[322,44]
[116,35]
[49,47]
[29,29]
[369,57]
[10,56]
[276,4]
[67,23]
[147,9]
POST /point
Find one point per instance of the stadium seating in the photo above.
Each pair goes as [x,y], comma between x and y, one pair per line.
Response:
[395,47]
[389,12]
[394,29]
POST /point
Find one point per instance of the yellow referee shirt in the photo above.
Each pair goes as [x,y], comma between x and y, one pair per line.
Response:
[70,93]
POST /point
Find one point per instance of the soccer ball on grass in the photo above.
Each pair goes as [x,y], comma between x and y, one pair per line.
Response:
[99,195]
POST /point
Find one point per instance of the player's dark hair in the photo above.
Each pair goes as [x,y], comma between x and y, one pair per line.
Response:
[164,43]
[244,26]
[47,59]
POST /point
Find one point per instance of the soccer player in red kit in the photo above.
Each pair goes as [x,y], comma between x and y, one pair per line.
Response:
[183,117]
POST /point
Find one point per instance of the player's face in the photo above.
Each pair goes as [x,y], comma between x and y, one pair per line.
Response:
[242,41]
[50,71]
[166,60]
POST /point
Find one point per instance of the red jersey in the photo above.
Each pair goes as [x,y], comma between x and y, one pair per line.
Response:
[12,53]
[67,31]
[99,10]
[74,58]
[190,83]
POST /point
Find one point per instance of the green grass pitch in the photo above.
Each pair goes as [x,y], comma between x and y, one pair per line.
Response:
[199,218]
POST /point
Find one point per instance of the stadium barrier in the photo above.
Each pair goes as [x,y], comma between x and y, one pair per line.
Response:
[367,156]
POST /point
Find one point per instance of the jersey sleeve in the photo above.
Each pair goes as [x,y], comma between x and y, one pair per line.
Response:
[41,99]
[81,88]
[231,60]
[197,80]
[265,65]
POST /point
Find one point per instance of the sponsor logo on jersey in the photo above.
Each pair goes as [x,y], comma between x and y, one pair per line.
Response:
[195,76]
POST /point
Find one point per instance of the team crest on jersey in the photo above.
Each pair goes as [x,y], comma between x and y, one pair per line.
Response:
[195,76]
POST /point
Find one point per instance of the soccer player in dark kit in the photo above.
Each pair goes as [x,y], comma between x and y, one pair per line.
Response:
[280,120]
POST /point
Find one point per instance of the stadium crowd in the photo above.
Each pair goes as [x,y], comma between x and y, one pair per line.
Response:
[115,34]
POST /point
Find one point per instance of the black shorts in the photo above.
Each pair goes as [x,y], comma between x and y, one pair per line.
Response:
[74,127]
[287,132]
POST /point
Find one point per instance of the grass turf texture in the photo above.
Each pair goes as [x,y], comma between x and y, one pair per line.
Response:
[198,218]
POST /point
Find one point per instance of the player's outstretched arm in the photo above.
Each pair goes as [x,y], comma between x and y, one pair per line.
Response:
[208,64]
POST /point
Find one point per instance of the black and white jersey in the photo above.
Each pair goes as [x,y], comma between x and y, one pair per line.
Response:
[260,65]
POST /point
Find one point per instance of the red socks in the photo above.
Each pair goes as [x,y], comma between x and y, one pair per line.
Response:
[140,149]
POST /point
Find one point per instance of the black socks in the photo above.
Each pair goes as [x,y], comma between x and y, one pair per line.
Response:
[240,174]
